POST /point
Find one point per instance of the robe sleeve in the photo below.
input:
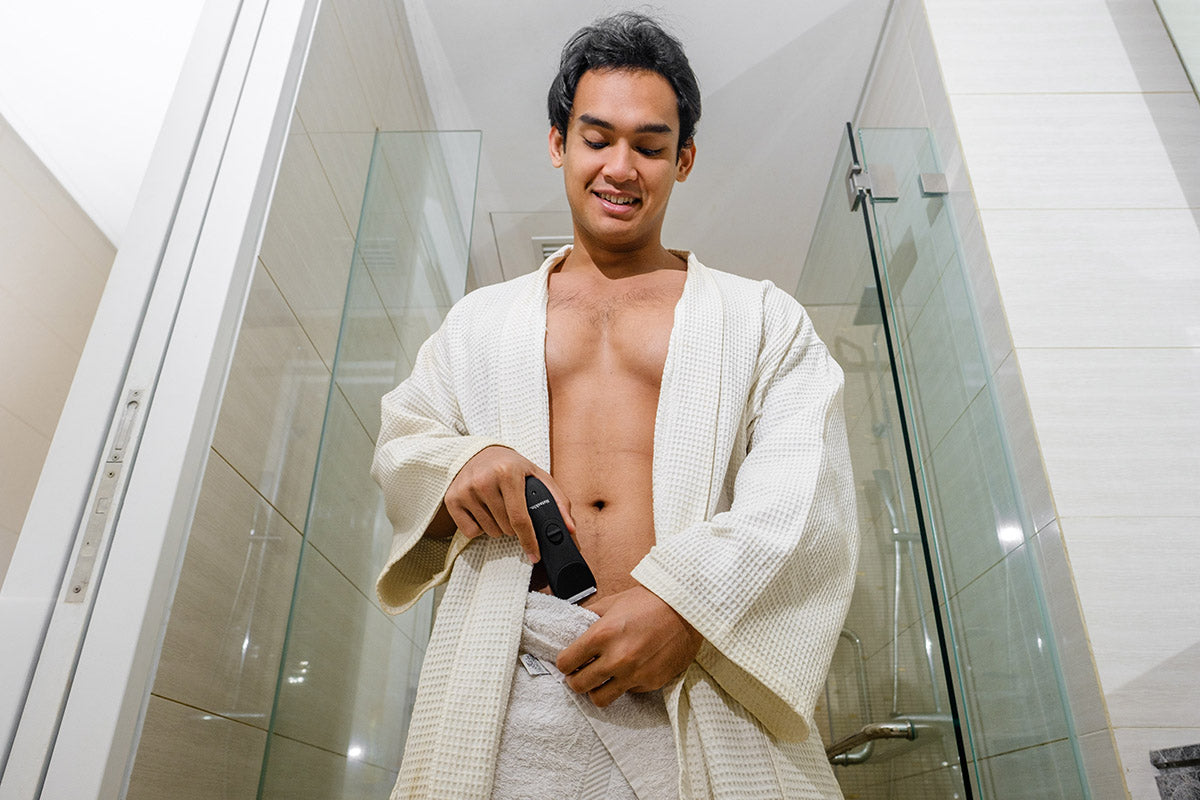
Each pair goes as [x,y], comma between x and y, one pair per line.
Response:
[423,443]
[768,582]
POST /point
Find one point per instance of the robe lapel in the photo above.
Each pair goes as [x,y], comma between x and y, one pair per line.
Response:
[524,400]
[689,406]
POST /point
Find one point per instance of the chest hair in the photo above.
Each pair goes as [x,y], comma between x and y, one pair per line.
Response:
[602,311]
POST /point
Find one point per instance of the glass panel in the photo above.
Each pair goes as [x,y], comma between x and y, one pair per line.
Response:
[1182,18]
[1000,646]
[349,671]
[888,665]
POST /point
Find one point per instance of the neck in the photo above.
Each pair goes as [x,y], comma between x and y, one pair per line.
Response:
[613,264]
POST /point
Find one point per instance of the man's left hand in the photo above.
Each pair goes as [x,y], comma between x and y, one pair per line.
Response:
[638,645]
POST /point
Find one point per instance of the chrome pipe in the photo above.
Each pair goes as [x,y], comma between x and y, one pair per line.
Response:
[897,729]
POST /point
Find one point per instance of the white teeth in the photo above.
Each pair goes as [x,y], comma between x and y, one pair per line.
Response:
[621,201]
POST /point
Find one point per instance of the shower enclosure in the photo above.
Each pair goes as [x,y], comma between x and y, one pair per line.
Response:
[348,672]
[946,671]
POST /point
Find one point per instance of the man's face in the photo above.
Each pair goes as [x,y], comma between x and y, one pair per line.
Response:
[620,157]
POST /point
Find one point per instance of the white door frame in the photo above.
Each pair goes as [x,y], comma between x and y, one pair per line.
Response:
[81,648]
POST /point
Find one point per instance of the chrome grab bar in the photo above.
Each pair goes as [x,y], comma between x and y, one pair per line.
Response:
[900,729]
[864,698]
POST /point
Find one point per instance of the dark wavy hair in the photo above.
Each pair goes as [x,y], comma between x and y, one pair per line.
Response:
[625,41]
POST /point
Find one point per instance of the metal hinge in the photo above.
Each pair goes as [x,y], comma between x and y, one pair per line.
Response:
[106,489]
[879,182]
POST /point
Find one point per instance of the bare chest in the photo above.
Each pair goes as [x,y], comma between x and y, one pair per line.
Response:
[609,337]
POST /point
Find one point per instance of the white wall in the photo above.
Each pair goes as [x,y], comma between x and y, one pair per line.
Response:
[1082,137]
[86,85]
[53,265]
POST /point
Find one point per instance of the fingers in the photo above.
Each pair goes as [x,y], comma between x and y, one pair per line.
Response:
[602,679]
[463,519]
[564,504]
[488,497]
[577,654]
[638,644]
[517,516]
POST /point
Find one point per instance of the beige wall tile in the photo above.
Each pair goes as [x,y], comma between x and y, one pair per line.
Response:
[1117,429]
[870,615]
[944,782]
[1082,150]
[346,159]
[342,526]
[1102,766]
[27,171]
[1011,685]
[1046,772]
[308,245]
[382,72]
[44,270]
[19,476]
[225,636]
[894,97]
[349,673]
[1098,278]
[935,746]
[369,350]
[1030,473]
[296,771]
[54,265]
[1138,588]
[1053,46]
[1135,744]
[973,496]
[1088,711]
[38,364]
[187,754]
[270,421]
[331,97]
[946,367]
[8,543]
[976,266]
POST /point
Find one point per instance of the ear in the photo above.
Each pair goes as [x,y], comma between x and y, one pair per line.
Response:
[685,161]
[556,147]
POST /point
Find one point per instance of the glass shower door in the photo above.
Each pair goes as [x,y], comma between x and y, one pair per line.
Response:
[348,675]
[890,719]
[948,649]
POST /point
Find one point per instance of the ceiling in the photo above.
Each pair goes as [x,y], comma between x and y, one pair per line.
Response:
[779,80]
[86,86]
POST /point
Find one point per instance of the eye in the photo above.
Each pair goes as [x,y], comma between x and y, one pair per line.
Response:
[651,152]
[595,145]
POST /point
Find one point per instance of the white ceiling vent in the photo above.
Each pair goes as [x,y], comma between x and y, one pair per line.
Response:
[546,246]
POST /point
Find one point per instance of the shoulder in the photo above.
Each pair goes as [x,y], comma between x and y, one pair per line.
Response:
[776,309]
[486,305]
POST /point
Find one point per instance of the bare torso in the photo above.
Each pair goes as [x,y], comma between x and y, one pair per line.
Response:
[606,343]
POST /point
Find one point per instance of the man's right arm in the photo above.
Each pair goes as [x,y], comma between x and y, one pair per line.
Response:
[439,475]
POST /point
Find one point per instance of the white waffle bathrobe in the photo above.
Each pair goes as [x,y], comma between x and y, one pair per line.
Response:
[754,520]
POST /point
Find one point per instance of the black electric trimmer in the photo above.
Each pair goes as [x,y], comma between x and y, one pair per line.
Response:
[569,575]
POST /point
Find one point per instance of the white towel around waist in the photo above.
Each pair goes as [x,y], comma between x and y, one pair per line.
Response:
[557,744]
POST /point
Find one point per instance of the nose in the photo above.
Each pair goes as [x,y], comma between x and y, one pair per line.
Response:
[619,167]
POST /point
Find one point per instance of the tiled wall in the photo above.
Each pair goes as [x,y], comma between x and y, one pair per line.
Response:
[1029,683]
[53,265]
[207,722]
[1082,137]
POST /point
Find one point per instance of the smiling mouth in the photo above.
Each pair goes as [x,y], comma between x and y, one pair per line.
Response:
[616,199]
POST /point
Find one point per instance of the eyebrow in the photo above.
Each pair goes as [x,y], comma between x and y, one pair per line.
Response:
[649,127]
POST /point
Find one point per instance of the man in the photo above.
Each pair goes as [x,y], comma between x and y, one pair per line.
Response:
[688,423]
